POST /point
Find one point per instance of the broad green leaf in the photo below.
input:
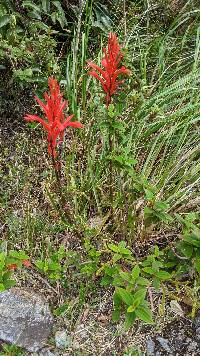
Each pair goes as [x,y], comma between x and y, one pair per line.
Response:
[116,300]
[197,265]
[144,313]
[116,257]
[9,283]
[106,281]
[46,5]
[129,320]
[139,297]
[116,315]
[40,265]
[125,276]
[18,255]
[143,281]
[156,265]
[54,266]
[2,288]
[163,275]
[192,240]
[156,283]
[125,296]
[149,270]
[185,249]
[113,247]
[7,275]
[4,20]
[31,5]
[135,272]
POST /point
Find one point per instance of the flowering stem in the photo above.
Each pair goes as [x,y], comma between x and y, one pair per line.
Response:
[59,187]
[110,138]
[111,175]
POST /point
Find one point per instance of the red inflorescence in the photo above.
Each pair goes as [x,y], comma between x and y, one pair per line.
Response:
[111,61]
[54,111]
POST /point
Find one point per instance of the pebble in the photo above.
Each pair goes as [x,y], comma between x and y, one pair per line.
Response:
[164,343]
[62,340]
[150,347]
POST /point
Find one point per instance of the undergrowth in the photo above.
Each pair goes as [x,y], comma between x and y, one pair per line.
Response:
[147,239]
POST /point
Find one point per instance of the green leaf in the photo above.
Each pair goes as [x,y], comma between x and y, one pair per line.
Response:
[129,320]
[46,6]
[113,247]
[4,20]
[197,265]
[156,265]
[116,300]
[9,283]
[156,283]
[149,270]
[20,255]
[149,196]
[144,313]
[2,288]
[125,276]
[163,275]
[135,272]
[139,297]
[185,249]
[164,216]
[160,205]
[116,315]
[125,296]
[106,281]
[7,275]
[40,265]
[143,281]
[54,266]
[191,239]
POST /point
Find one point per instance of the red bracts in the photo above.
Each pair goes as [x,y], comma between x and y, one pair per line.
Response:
[111,62]
[56,122]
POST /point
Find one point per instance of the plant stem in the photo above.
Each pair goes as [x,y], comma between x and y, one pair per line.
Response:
[111,175]
[59,188]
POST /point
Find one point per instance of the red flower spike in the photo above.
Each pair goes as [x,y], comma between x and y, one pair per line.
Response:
[12,267]
[26,263]
[111,61]
[54,112]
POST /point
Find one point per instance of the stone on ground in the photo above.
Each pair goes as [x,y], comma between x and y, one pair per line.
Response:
[25,319]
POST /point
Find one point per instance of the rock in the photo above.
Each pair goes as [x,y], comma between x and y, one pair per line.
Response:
[193,346]
[46,352]
[197,321]
[62,340]
[150,347]
[25,319]
[198,333]
[164,343]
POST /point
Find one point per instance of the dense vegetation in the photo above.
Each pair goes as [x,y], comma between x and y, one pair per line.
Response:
[120,217]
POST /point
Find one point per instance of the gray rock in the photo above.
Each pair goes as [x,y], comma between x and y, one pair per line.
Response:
[164,343]
[198,333]
[197,321]
[46,352]
[25,319]
[193,346]
[150,347]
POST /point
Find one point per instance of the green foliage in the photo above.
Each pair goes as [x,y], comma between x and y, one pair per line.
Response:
[7,262]
[155,151]
[11,350]
[56,265]
[189,244]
